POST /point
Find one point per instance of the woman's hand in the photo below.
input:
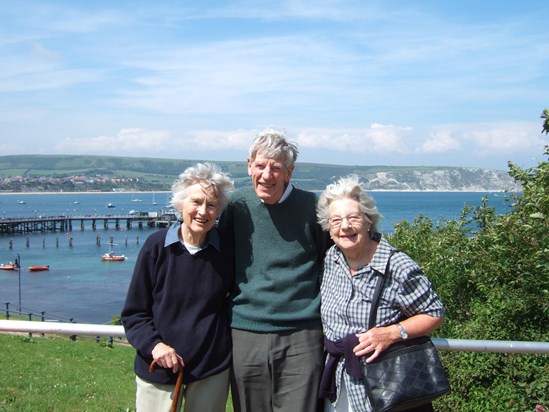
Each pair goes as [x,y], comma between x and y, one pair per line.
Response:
[166,357]
[376,340]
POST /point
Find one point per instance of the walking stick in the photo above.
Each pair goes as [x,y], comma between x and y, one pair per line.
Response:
[178,384]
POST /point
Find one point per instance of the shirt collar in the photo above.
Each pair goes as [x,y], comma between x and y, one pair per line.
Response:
[172,236]
[379,260]
[286,193]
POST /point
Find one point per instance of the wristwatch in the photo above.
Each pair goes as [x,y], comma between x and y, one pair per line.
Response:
[403,333]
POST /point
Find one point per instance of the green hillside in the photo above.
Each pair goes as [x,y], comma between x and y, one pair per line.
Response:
[107,173]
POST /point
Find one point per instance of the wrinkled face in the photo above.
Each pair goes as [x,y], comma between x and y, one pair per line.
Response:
[269,178]
[348,227]
[199,210]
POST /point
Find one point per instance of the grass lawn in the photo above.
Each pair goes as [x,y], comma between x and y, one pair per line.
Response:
[61,375]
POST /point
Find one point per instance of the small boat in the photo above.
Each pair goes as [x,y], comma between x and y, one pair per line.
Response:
[21,202]
[9,266]
[39,268]
[110,205]
[111,257]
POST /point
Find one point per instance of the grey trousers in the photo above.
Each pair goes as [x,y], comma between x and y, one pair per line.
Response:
[276,371]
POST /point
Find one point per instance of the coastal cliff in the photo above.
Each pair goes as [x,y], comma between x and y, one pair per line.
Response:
[454,179]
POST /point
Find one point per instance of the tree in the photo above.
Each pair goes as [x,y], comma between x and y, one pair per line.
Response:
[545,115]
[492,273]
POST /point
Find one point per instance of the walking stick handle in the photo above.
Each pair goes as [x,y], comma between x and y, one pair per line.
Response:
[178,384]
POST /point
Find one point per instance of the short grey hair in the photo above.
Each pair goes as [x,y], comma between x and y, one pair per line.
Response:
[348,187]
[273,144]
[209,176]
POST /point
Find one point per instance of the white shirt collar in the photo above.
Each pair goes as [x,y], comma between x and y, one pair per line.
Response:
[286,193]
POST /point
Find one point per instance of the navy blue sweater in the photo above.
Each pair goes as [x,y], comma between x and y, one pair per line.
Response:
[180,299]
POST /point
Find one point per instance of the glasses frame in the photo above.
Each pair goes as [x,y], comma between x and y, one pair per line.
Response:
[353,220]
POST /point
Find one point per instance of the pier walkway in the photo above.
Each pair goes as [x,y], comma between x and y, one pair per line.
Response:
[67,223]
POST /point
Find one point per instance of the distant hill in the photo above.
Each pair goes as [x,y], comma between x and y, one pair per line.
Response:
[107,173]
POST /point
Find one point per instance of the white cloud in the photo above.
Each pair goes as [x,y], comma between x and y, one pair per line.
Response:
[378,138]
[214,140]
[504,137]
[388,138]
[131,141]
[439,142]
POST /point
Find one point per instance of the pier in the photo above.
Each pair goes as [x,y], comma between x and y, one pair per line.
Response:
[42,224]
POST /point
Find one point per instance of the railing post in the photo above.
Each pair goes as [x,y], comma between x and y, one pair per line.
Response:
[30,319]
[7,310]
[72,337]
[43,319]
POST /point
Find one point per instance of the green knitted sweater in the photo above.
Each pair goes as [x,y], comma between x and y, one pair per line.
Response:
[279,254]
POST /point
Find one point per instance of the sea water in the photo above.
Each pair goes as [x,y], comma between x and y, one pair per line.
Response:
[81,287]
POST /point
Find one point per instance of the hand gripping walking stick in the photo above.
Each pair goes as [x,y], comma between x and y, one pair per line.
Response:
[178,384]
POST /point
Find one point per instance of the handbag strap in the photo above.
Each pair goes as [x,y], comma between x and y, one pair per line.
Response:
[377,291]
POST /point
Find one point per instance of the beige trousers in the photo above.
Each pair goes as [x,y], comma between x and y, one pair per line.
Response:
[206,395]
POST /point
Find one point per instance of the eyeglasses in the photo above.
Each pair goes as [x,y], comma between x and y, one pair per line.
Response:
[352,220]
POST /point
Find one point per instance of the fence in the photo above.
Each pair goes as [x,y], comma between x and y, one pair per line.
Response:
[467,345]
[20,312]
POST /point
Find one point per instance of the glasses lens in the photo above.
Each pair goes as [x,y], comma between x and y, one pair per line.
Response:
[352,220]
[335,221]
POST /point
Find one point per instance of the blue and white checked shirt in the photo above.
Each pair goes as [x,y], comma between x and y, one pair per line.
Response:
[346,302]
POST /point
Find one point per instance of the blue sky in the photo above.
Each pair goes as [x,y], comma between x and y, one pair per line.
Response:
[411,83]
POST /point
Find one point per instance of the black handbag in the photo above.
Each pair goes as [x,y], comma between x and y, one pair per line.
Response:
[405,375]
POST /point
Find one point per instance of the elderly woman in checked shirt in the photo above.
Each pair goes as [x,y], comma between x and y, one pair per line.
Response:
[408,307]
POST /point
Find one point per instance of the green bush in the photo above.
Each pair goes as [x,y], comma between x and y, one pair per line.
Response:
[491,271]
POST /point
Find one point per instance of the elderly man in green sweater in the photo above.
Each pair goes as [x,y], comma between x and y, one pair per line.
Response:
[279,250]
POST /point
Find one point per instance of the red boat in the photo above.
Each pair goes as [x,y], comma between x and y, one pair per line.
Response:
[38,268]
[9,266]
[111,257]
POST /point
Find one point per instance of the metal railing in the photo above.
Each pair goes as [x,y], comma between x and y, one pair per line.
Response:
[19,312]
[85,329]
[61,328]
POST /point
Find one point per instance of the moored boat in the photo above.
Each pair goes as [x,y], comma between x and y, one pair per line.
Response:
[38,268]
[9,266]
[111,257]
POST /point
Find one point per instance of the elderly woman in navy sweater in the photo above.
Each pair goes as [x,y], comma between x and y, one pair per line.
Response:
[176,309]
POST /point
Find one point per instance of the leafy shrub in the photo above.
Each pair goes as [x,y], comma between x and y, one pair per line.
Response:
[491,271]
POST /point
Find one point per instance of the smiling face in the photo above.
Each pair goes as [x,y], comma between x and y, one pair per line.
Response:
[348,226]
[269,178]
[199,212]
